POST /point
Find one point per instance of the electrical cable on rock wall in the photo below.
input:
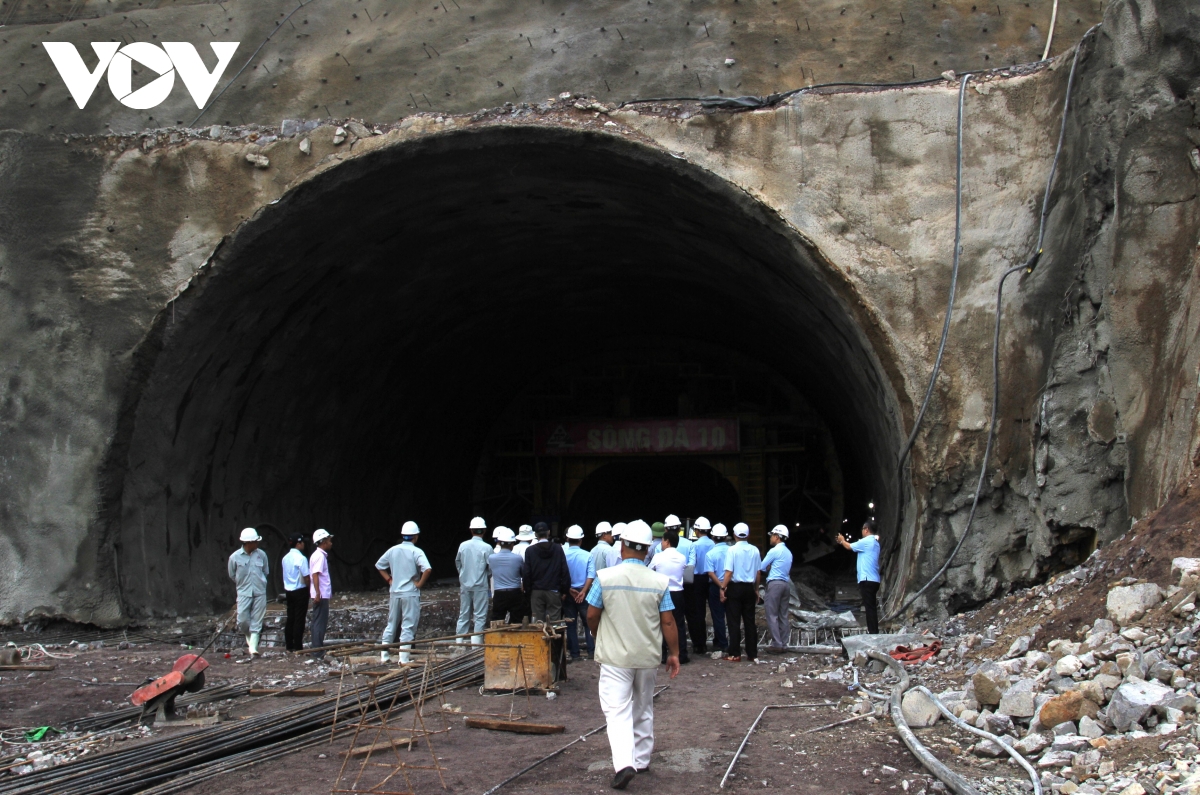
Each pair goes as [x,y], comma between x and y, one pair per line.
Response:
[1028,267]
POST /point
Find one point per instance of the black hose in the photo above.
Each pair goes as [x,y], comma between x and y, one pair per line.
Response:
[1028,267]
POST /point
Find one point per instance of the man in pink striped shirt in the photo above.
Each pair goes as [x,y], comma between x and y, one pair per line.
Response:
[320,589]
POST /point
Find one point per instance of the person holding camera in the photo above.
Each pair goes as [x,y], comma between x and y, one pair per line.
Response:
[867,549]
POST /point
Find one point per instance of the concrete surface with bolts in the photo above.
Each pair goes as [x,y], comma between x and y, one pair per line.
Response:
[191,342]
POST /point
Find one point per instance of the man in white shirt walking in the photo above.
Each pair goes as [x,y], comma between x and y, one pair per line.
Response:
[629,611]
[295,588]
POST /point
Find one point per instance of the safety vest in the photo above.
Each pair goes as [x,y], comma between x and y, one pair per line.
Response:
[630,632]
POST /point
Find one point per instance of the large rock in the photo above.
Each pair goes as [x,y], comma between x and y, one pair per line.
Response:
[1030,744]
[1188,572]
[990,682]
[1132,702]
[1130,602]
[1018,700]
[919,710]
[1068,665]
[1069,706]
[1090,728]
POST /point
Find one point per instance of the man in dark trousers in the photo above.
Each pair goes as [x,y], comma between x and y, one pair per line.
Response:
[295,588]
[546,576]
[867,549]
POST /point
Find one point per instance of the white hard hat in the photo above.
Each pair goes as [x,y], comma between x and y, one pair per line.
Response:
[672,521]
[637,532]
[478,524]
[701,523]
[618,529]
[503,535]
[250,534]
[602,528]
[719,531]
[321,535]
[574,532]
[410,529]
[779,530]
[741,530]
[526,533]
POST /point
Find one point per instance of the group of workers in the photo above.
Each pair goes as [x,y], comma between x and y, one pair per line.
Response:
[646,590]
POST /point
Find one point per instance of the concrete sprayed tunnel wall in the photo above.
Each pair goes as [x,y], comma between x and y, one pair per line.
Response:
[341,360]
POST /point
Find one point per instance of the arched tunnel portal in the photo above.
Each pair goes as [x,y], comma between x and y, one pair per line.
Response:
[345,356]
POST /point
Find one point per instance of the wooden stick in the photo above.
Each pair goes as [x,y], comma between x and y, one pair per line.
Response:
[27,667]
[519,727]
[363,750]
[839,723]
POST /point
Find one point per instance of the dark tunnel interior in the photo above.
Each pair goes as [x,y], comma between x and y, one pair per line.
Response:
[343,358]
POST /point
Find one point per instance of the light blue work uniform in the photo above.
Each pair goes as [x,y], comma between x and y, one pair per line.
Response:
[405,562]
[700,549]
[472,564]
[595,597]
[777,563]
[743,560]
[715,561]
[506,570]
[581,566]
[600,554]
[868,558]
[249,572]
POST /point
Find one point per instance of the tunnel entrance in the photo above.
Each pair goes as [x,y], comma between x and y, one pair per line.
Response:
[392,338]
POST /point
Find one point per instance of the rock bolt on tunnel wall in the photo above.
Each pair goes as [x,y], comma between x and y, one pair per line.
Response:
[345,354]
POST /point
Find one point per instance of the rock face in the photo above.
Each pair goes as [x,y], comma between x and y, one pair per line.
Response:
[1133,701]
[919,710]
[990,682]
[1130,602]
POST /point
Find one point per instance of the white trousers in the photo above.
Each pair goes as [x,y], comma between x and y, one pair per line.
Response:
[627,698]
[472,610]
[404,611]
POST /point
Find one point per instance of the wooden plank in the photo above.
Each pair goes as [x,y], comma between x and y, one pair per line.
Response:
[520,727]
[363,750]
[27,667]
[301,692]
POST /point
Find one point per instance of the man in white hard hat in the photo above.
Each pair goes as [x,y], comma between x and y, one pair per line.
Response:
[714,569]
[778,567]
[320,589]
[604,538]
[472,564]
[684,546]
[249,570]
[406,570]
[739,590]
[629,610]
[508,600]
[583,573]
[697,618]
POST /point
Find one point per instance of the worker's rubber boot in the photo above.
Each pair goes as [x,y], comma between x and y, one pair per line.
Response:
[405,657]
[477,640]
[253,643]
[385,656]
[460,641]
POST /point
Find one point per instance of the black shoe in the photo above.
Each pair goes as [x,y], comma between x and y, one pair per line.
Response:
[645,769]
[623,777]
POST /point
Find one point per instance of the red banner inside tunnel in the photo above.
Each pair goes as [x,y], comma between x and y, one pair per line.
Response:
[637,437]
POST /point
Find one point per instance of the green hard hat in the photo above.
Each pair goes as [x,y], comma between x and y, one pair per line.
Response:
[658,528]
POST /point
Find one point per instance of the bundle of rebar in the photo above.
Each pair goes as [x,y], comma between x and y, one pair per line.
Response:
[116,717]
[172,764]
